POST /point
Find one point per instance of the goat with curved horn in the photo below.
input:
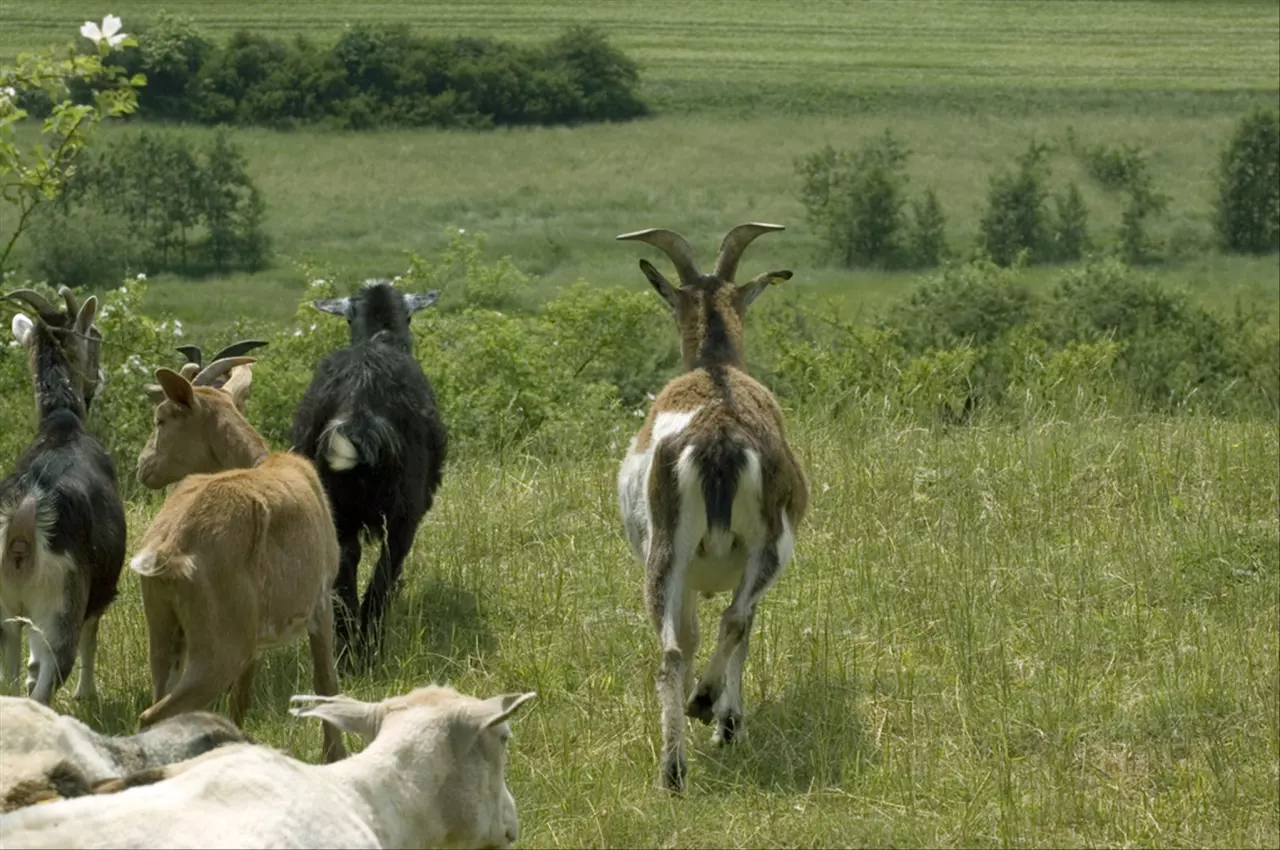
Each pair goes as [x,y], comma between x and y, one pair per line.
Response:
[37,301]
[674,246]
[195,355]
[735,243]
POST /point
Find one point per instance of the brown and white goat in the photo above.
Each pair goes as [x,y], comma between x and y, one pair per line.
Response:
[241,557]
[710,492]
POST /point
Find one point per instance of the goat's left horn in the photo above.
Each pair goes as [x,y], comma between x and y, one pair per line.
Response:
[35,299]
[73,306]
[735,243]
[192,353]
[674,246]
[218,368]
[236,349]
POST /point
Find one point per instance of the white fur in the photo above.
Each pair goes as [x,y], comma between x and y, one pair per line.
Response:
[340,452]
[633,479]
[415,785]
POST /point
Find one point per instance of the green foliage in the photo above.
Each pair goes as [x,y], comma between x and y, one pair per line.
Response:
[176,208]
[29,178]
[855,199]
[79,246]
[379,75]
[927,238]
[1070,225]
[1014,220]
[1247,206]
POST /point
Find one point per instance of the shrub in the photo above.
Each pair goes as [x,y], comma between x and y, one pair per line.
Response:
[928,236]
[79,247]
[1070,225]
[1014,220]
[855,198]
[170,53]
[1247,208]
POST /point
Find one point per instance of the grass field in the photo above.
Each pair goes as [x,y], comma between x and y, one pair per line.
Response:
[1063,634]
[1059,633]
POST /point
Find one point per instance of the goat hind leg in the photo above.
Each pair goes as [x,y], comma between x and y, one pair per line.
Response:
[242,693]
[86,687]
[348,598]
[382,587]
[10,649]
[324,673]
[53,654]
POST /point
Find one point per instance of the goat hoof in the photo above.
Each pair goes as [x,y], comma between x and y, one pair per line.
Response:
[674,771]
[730,730]
[700,705]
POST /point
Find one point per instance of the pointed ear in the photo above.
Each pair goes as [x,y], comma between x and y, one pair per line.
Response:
[500,709]
[88,310]
[660,283]
[22,328]
[155,392]
[176,388]
[349,715]
[336,306]
[414,302]
[751,290]
[238,385]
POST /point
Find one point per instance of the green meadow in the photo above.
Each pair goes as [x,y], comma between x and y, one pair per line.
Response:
[1057,631]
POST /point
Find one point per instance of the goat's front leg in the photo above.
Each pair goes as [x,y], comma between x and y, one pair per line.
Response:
[718,695]
[242,693]
[87,688]
[10,648]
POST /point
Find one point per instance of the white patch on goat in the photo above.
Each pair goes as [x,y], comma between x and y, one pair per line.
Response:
[21,328]
[144,563]
[718,564]
[633,479]
[339,451]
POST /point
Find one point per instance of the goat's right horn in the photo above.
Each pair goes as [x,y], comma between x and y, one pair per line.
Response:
[236,349]
[218,368]
[675,247]
[735,243]
[73,306]
[35,299]
[192,353]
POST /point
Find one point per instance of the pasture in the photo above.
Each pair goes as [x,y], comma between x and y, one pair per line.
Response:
[1055,631]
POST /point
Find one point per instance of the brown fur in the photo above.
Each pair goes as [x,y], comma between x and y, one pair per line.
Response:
[232,557]
[62,781]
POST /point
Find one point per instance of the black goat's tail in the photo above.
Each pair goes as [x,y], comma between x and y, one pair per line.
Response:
[359,439]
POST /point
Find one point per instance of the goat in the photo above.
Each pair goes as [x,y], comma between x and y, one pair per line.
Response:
[433,774]
[62,524]
[242,555]
[710,492]
[370,423]
[45,755]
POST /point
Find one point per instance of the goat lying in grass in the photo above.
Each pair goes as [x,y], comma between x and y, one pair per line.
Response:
[432,775]
[370,423]
[242,556]
[45,755]
[62,525]
[710,492]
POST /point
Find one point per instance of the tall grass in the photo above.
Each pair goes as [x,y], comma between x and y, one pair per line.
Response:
[1058,634]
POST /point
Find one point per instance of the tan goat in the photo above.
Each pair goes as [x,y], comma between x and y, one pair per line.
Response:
[241,557]
[710,492]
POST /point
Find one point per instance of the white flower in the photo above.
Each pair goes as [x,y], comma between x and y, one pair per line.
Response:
[7,93]
[123,290]
[396,279]
[108,32]
[297,332]
[141,276]
[318,282]
[177,328]
[462,230]
[313,326]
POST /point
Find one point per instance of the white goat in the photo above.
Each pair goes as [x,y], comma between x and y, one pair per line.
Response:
[432,775]
[710,492]
[45,755]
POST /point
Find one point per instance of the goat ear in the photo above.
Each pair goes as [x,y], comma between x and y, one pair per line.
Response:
[22,328]
[336,306]
[414,302]
[349,715]
[176,388]
[751,290]
[238,385]
[500,709]
[660,283]
[88,310]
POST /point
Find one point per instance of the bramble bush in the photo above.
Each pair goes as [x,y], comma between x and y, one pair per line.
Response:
[1247,208]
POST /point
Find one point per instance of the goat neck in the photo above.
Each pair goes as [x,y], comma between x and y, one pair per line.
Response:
[235,443]
[55,389]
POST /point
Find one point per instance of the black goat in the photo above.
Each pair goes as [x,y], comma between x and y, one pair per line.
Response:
[62,525]
[369,423]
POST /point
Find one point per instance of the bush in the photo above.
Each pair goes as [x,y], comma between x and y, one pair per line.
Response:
[79,247]
[1070,225]
[928,236]
[1014,220]
[175,208]
[1247,208]
[170,54]
[855,199]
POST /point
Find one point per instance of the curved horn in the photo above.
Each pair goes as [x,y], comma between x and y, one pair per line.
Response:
[189,371]
[675,247]
[35,299]
[236,349]
[73,306]
[192,353]
[735,243]
[218,368]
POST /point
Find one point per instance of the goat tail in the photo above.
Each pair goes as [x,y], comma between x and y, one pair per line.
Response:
[21,536]
[720,464]
[361,438]
[150,564]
